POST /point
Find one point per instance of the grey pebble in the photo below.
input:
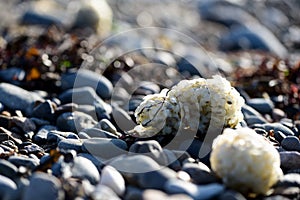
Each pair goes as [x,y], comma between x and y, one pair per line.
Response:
[151,194]
[82,95]
[44,110]
[291,143]
[70,144]
[231,195]
[104,147]
[84,77]
[98,133]
[42,134]
[74,121]
[207,191]
[8,188]
[263,106]
[23,161]
[103,192]
[200,173]
[43,186]
[83,168]
[122,119]
[8,169]
[289,180]
[17,98]
[290,160]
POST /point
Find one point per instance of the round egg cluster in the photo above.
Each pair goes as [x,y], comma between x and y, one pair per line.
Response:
[191,104]
[245,161]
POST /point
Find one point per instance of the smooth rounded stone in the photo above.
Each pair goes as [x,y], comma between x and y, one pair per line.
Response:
[104,147]
[289,160]
[43,186]
[1,150]
[113,179]
[199,173]
[224,12]
[39,122]
[264,106]
[83,135]
[288,192]
[172,160]
[17,98]
[252,36]
[44,110]
[249,111]
[291,143]
[231,195]
[278,114]
[279,136]
[276,197]
[1,107]
[82,95]
[250,120]
[12,75]
[149,148]
[8,188]
[95,160]
[106,125]
[5,121]
[57,136]
[83,168]
[32,18]
[103,192]
[70,144]
[8,169]
[207,191]
[41,136]
[278,127]
[88,109]
[74,121]
[157,194]
[85,77]
[133,193]
[122,120]
[98,133]
[23,161]
[134,102]
[289,180]
[134,164]
[147,87]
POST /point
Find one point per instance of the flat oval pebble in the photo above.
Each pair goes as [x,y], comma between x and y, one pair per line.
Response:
[289,160]
[231,195]
[74,121]
[84,77]
[82,95]
[44,110]
[289,180]
[113,179]
[151,194]
[200,173]
[291,143]
[207,191]
[44,186]
[263,106]
[70,144]
[23,161]
[83,168]
[17,98]
[105,193]
[104,147]
[98,133]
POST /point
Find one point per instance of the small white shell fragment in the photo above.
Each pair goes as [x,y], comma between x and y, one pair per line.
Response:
[245,161]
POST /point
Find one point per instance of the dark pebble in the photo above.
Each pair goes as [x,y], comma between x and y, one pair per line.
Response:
[8,169]
[291,143]
[104,192]
[98,133]
[43,186]
[200,173]
[82,95]
[289,180]
[70,144]
[44,110]
[104,147]
[231,195]
[84,77]
[17,98]
[74,121]
[290,160]
[23,161]
[8,188]
[263,106]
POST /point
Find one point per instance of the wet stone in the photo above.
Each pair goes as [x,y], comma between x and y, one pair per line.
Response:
[17,98]
[23,161]
[8,188]
[113,179]
[290,160]
[98,133]
[291,143]
[104,147]
[83,168]
[70,144]
[44,110]
[74,122]
[149,148]
[207,191]
[8,169]
[84,77]
[200,173]
[43,186]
